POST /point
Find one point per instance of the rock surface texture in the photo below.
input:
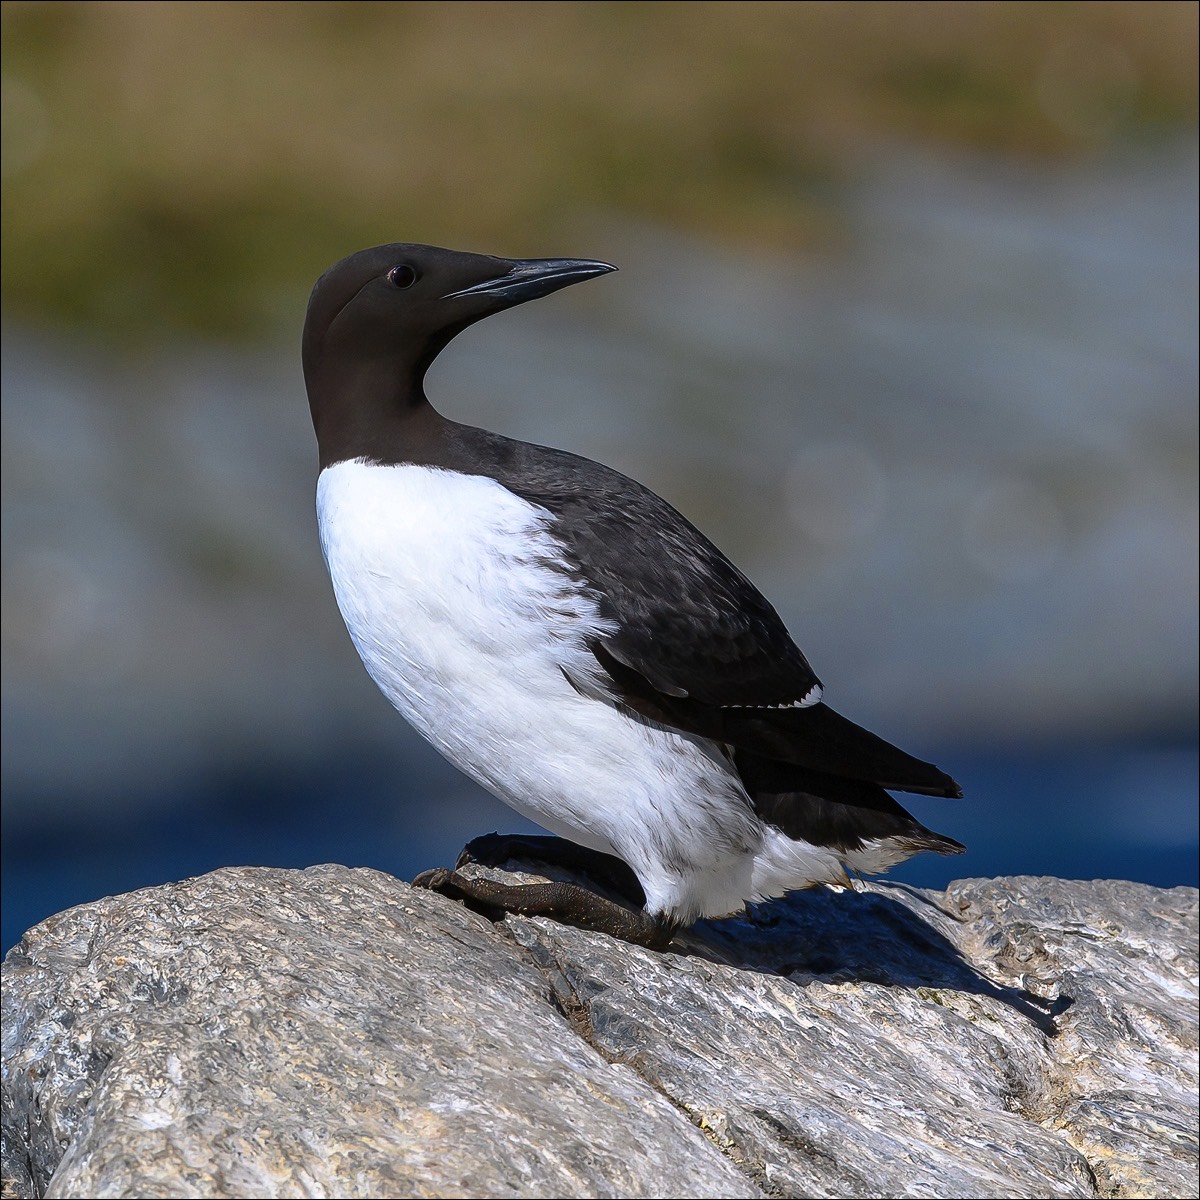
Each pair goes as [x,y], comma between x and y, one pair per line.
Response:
[332,1032]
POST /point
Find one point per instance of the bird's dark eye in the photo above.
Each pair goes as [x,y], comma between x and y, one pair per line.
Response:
[402,276]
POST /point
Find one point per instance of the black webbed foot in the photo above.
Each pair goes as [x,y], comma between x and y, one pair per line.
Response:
[567,903]
[496,849]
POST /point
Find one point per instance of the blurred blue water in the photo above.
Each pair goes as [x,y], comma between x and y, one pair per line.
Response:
[1021,815]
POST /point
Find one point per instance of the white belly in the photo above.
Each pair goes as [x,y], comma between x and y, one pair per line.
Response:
[448,587]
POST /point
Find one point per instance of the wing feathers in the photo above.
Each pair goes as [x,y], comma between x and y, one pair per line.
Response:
[695,644]
[814,737]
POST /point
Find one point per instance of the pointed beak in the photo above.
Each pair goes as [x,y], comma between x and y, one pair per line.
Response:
[529,278]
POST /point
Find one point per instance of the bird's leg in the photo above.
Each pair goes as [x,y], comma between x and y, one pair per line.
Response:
[567,903]
[495,849]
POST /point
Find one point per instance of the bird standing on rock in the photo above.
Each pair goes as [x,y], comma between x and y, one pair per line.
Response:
[566,638]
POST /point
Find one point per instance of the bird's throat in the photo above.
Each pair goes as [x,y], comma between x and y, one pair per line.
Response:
[368,409]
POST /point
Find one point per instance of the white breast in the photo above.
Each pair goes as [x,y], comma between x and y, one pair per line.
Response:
[455,595]
[449,586]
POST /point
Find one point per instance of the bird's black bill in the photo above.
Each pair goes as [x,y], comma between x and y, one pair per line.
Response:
[529,278]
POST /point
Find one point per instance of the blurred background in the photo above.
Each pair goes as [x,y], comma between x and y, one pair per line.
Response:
[906,322]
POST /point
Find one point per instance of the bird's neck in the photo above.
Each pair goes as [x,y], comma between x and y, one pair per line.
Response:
[369,409]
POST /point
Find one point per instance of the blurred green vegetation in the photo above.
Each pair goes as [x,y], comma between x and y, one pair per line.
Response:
[185,167]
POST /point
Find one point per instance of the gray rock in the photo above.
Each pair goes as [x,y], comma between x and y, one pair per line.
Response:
[333,1032]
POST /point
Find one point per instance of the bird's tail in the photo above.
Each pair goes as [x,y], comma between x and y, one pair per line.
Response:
[857,820]
[821,740]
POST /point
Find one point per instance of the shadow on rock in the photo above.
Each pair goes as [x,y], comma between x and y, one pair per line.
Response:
[888,934]
[884,933]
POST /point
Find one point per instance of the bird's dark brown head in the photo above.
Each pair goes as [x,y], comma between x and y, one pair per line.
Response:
[377,320]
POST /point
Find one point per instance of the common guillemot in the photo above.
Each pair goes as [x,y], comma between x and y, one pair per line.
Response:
[565,637]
